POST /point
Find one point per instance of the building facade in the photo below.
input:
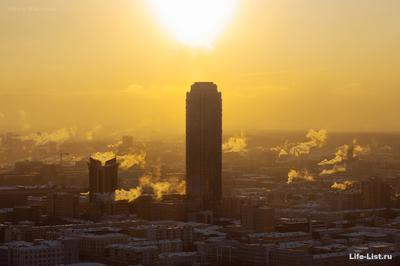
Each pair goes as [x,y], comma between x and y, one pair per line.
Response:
[103,178]
[203,143]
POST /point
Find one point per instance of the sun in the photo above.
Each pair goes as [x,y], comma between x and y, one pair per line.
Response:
[194,22]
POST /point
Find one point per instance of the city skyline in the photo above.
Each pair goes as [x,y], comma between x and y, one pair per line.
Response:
[199,132]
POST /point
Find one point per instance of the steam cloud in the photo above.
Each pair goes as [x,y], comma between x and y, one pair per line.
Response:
[304,175]
[103,157]
[340,155]
[131,159]
[59,136]
[89,135]
[346,152]
[156,186]
[115,145]
[236,143]
[335,169]
[342,186]
[126,161]
[359,150]
[343,154]
[316,139]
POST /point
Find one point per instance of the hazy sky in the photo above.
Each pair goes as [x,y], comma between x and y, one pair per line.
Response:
[280,64]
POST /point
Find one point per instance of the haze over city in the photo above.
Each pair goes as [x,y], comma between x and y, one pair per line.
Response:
[199,133]
[281,65]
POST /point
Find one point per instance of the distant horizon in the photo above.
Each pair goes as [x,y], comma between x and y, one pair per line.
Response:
[100,137]
[281,65]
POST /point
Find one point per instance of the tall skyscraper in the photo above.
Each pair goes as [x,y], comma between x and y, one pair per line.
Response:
[103,178]
[203,143]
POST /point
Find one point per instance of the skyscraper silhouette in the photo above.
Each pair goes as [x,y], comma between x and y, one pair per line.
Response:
[203,143]
[102,178]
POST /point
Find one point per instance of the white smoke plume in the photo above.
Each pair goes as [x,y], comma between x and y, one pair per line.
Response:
[126,161]
[316,139]
[236,143]
[295,175]
[129,195]
[115,145]
[58,136]
[340,155]
[359,150]
[158,188]
[343,152]
[335,169]
[103,157]
[342,186]
[282,150]
[89,135]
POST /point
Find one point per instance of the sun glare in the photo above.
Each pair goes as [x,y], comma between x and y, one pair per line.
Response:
[194,22]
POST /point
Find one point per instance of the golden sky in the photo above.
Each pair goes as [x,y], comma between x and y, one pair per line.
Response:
[287,64]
